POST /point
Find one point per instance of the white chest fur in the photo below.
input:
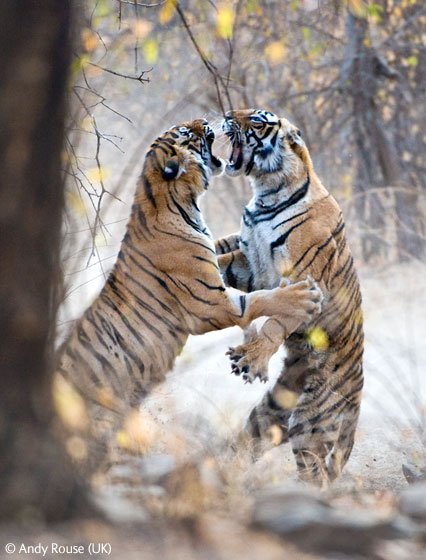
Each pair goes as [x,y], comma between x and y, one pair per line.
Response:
[262,229]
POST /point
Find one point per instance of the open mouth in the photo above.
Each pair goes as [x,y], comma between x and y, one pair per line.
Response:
[236,159]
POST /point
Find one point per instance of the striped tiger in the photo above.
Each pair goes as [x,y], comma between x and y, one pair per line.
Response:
[293,227]
[165,285]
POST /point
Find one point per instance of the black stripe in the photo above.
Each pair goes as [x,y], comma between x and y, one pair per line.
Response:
[107,300]
[317,252]
[220,288]
[207,247]
[148,191]
[207,261]
[187,218]
[268,213]
[183,286]
[172,328]
[289,219]
[282,238]
[243,303]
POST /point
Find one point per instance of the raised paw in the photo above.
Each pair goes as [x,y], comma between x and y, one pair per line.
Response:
[302,305]
[250,360]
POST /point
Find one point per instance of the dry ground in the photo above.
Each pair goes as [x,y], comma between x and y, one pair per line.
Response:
[195,414]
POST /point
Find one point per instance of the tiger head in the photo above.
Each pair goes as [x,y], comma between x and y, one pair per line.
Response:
[264,144]
[184,152]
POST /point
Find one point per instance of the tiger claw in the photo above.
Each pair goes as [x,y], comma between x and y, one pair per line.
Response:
[232,356]
[248,361]
[235,370]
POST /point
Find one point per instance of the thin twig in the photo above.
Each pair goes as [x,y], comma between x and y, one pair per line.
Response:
[140,4]
[218,79]
[139,78]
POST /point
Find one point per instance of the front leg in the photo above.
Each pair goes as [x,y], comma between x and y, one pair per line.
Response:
[299,302]
[252,358]
[227,244]
[235,270]
[226,307]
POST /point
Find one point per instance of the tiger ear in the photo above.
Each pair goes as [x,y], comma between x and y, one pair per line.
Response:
[170,169]
[298,146]
[295,138]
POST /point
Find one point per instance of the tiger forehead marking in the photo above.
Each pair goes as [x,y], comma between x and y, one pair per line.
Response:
[246,117]
[292,226]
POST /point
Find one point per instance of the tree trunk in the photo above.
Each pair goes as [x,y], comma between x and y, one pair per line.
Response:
[36,478]
[378,161]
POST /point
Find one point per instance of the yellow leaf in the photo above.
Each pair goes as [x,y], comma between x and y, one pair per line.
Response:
[318,339]
[225,20]
[90,40]
[306,32]
[138,432]
[167,11]
[359,8]
[275,52]
[347,193]
[150,50]
[76,203]
[285,398]
[398,13]
[253,8]
[69,405]
[87,124]
[96,174]
[412,60]
[78,64]
[103,8]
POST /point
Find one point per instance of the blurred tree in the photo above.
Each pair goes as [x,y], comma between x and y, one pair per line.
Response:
[36,479]
[380,163]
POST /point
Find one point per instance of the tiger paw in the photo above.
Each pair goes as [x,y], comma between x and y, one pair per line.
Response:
[305,303]
[250,360]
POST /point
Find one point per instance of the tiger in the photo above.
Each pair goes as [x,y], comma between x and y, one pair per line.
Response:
[292,227]
[164,286]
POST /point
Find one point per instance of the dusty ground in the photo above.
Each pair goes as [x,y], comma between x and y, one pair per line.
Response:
[197,411]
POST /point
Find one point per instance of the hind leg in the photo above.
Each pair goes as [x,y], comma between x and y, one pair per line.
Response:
[345,442]
[322,430]
[311,445]
[271,416]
